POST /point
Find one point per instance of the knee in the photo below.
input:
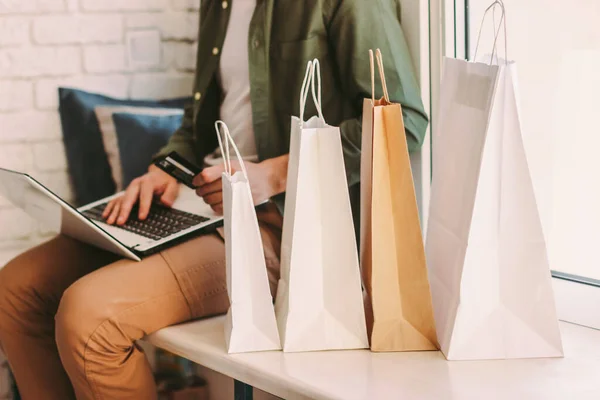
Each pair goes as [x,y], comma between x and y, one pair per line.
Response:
[83,323]
[73,321]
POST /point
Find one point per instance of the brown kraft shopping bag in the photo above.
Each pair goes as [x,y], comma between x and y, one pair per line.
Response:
[398,298]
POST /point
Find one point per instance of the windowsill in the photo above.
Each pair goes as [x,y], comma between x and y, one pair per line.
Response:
[416,375]
[576,278]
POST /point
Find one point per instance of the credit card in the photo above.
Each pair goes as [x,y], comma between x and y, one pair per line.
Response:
[179,168]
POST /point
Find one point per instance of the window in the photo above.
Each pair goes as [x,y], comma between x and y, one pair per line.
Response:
[556,45]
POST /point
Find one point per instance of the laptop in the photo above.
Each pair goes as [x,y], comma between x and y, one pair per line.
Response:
[164,227]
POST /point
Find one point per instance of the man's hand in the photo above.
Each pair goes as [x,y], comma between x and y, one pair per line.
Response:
[267,179]
[142,189]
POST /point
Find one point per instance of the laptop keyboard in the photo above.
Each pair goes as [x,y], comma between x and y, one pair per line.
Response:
[161,222]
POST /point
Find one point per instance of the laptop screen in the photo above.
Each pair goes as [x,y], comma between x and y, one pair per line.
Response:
[17,189]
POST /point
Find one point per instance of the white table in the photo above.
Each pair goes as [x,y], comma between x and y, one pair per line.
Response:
[421,375]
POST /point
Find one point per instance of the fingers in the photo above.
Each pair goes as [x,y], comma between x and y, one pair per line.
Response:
[129,200]
[213,198]
[146,196]
[208,175]
[218,208]
[109,207]
[209,188]
[114,214]
[170,195]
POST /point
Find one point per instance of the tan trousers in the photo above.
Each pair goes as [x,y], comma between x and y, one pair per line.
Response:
[70,313]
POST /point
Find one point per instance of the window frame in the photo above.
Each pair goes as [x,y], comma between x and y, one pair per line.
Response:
[415,18]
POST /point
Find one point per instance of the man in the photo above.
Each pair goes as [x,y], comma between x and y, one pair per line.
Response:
[70,313]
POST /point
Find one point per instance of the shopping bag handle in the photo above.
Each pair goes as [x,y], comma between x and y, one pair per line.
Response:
[501,26]
[386,95]
[224,143]
[305,88]
[312,76]
[316,77]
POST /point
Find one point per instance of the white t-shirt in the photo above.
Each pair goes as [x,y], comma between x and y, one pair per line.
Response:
[234,78]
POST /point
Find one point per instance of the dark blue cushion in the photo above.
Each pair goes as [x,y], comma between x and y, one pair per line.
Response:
[140,137]
[88,165]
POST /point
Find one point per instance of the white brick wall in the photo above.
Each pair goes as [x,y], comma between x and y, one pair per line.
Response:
[29,126]
[173,25]
[49,156]
[105,58]
[63,29]
[21,227]
[17,156]
[30,62]
[30,6]
[14,31]
[185,56]
[16,95]
[116,5]
[45,44]
[185,4]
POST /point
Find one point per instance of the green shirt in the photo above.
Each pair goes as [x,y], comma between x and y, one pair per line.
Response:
[284,35]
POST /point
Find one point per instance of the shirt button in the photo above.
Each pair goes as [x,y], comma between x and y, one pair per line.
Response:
[224,5]
[197,96]
[256,44]
[215,51]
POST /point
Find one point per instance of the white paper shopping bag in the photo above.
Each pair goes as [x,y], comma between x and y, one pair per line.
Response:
[250,324]
[488,265]
[319,302]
